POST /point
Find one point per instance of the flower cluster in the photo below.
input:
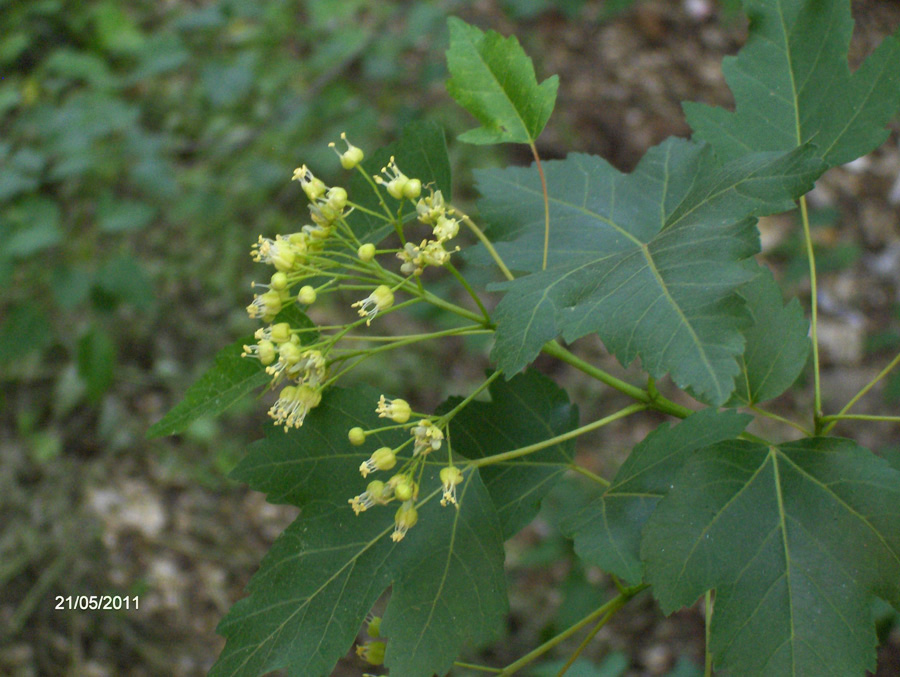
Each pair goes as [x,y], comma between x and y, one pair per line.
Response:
[403,486]
[295,258]
[327,248]
[432,211]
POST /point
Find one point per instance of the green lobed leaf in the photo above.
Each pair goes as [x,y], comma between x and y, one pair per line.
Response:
[314,588]
[777,342]
[494,80]
[229,379]
[527,409]
[797,540]
[607,531]
[421,153]
[792,85]
[450,587]
[649,260]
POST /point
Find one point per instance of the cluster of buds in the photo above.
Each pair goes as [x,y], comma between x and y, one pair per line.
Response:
[372,652]
[427,437]
[398,185]
[326,206]
[402,486]
[293,404]
[431,211]
[278,346]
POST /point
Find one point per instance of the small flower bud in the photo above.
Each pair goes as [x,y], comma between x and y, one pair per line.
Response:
[450,477]
[397,180]
[376,493]
[404,487]
[397,410]
[445,228]
[306,295]
[374,627]
[281,332]
[265,305]
[380,299]
[289,352]
[366,252]
[431,208]
[337,198]
[382,459]
[404,520]
[313,187]
[266,352]
[278,252]
[279,281]
[428,437]
[357,436]
[412,189]
[350,157]
[293,404]
[371,652]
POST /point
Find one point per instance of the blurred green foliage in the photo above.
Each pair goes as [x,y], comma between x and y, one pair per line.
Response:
[146,144]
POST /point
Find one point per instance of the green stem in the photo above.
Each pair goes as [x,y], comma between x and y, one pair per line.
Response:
[587,640]
[531,448]
[399,343]
[346,329]
[446,418]
[587,473]
[854,417]
[465,283]
[473,329]
[371,182]
[780,419]
[657,402]
[540,168]
[607,609]
[814,321]
[453,308]
[841,414]
[480,668]
[470,224]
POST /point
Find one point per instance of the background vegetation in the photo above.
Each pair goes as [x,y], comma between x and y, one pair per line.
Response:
[144,147]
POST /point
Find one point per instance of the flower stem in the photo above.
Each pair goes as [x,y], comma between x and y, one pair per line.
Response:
[606,610]
[371,182]
[470,224]
[657,402]
[540,168]
[465,283]
[587,640]
[363,355]
[841,414]
[832,420]
[446,418]
[531,448]
[814,320]
[479,668]
[780,419]
[574,467]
